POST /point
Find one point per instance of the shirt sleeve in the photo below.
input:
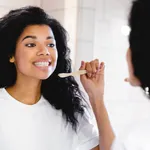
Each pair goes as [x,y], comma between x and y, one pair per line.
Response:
[88,135]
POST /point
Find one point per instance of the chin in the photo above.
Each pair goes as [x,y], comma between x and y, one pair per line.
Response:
[44,77]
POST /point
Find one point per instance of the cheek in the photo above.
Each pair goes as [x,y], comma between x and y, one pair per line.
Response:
[130,69]
[21,66]
[54,57]
[129,63]
[21,61]
[132,79]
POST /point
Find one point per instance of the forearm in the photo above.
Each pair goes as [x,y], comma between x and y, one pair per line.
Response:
[105,130]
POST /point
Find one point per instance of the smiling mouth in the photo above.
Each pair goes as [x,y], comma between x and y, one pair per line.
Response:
[42,64]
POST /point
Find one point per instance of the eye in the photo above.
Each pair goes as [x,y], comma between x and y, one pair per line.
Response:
[51,45]
[30,45]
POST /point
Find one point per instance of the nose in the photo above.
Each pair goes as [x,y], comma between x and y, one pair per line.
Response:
[43,51]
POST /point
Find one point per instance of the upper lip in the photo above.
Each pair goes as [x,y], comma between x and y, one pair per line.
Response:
[42,60]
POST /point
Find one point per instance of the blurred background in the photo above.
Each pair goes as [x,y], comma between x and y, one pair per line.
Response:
[99,29]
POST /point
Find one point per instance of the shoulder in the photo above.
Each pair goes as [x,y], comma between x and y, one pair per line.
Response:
[4,102]
[2,95]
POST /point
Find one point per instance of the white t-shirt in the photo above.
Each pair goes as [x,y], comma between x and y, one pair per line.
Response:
[137,137]
[41,127]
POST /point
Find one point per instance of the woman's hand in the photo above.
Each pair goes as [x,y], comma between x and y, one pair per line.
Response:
[93,81]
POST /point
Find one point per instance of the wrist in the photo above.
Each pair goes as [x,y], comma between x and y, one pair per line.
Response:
[96,101]
[96,97]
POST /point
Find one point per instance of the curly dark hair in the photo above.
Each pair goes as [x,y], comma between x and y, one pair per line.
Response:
[63,94]
[139,39]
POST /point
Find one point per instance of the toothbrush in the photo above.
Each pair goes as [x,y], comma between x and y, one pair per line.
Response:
[64,75]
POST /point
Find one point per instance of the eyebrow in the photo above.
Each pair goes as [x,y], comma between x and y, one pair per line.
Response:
[34,37]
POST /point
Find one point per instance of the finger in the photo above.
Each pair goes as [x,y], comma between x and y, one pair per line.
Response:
[95,66]
[101,66]
[101,69]
[97,63]
[82,67]
[88,69]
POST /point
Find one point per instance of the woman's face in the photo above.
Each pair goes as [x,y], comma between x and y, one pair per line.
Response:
[132,79]
[36,53]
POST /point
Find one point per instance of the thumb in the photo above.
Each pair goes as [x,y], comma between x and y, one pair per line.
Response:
[82,67]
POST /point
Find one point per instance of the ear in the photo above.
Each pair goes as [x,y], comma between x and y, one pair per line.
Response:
[12,59]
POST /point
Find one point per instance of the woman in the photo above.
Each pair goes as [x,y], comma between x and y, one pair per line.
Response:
[138,137]
[39,110]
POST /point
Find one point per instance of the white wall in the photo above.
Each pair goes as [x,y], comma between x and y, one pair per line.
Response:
[6,5]
[85,31]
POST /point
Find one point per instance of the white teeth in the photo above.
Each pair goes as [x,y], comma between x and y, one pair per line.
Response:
[41,63]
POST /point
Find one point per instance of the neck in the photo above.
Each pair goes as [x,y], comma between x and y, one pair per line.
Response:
[26,91]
